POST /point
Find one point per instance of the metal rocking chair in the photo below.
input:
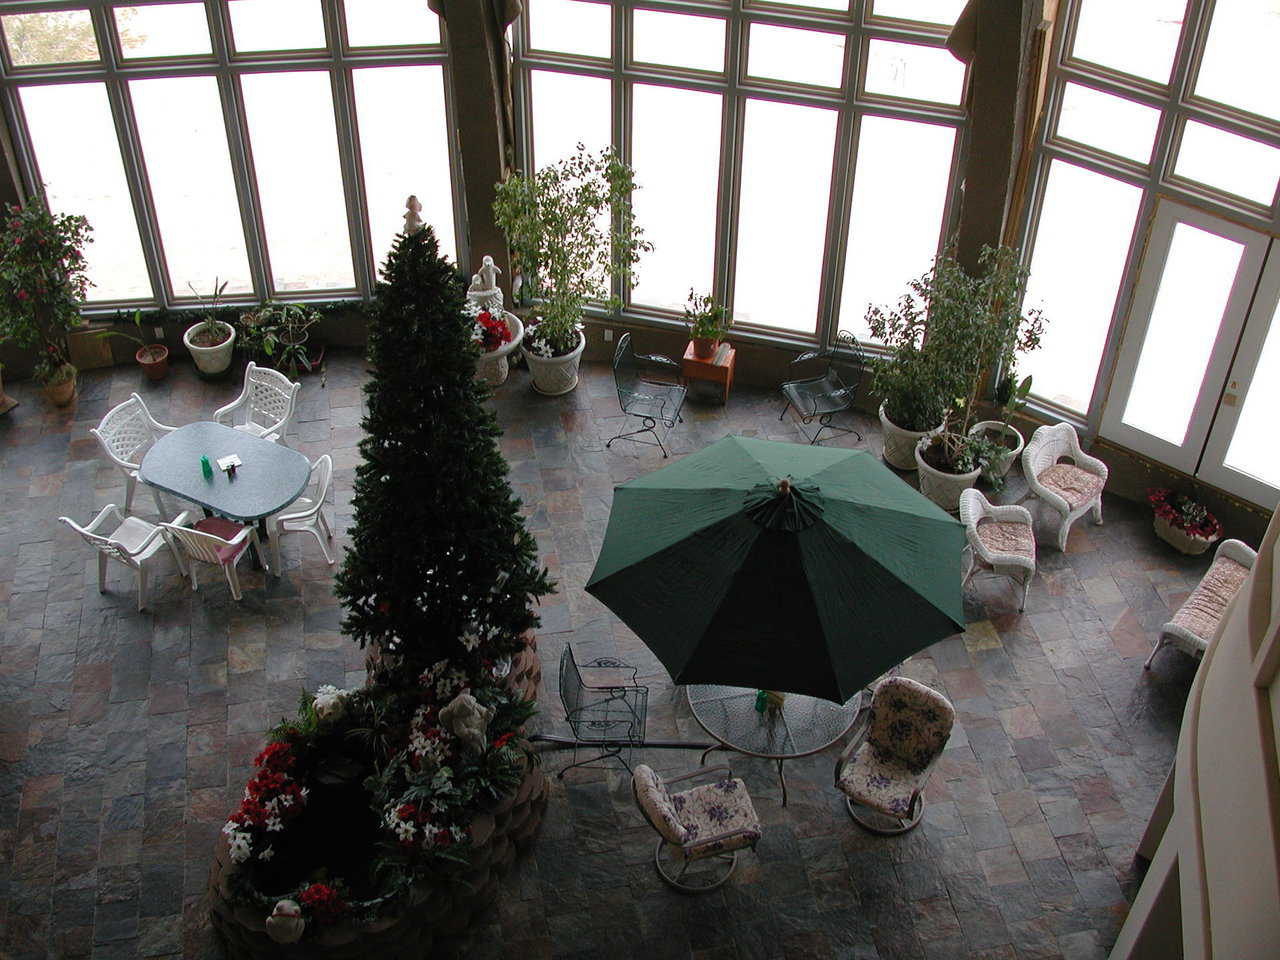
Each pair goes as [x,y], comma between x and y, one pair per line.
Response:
[610,717]
[653,401]
[819,397]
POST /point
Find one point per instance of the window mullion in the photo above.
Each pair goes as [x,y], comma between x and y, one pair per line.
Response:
[348,150]
[620,94]
[734,113]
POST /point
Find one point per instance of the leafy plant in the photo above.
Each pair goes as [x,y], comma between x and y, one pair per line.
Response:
[153,350]
[211,333]
[43,283]
[275,332]
[1185,513]
[554,224]
[706,318]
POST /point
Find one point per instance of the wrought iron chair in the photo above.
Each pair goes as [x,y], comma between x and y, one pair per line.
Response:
[655,402]
[266,406]
[126,433]
[610,717]
[820,396]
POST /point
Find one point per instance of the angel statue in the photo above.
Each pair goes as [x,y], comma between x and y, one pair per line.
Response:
[412,222]
[484,288]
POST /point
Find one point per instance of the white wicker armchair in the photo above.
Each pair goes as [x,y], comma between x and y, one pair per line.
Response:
[1072,489]
[1001,539]
[1196,621]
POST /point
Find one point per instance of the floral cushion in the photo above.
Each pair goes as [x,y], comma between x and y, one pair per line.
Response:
[1004,537]
[881,781]
[1072,484]
[657,804]
[909,722]
[713,809]
[1202,610]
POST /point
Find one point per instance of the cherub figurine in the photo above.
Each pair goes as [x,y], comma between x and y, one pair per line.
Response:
[467,720]
[484,289]
[488,274]
[412,222]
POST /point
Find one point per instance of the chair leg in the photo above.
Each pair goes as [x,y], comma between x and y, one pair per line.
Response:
[142,587]
[130,485]
[324,547]
[785,407]
[1026,585]
[195,584]
[324,524]
[973,568]
[102,573]
[275,552]
[1064,529]
[233,579]
[650,426]
[155,495]
[1097,511]
[1160,642]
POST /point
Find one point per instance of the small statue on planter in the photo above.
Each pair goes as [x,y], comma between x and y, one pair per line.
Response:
[285,925]
[467,720]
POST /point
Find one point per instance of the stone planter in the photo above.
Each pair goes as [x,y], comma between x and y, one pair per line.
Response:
[492,367]
[1180,540]
[944,489]
[555,376]
[154,360]
[211,361]
[899,444]
[1000,467]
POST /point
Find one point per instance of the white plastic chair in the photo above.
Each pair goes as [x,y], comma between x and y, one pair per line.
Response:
[1005,543]
[306,514]
[126,433]
[133,542]
[265,407]
[217,542]
[1071,489]
[1196,621]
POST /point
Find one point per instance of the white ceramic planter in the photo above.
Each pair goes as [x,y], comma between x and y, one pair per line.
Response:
[211,361]
[1001,466]
[899,444]
[492,367]
[944,489]
[553,376]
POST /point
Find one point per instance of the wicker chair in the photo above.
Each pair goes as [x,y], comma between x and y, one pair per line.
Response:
[708,823]
[609,717]
[1001,540]
[1072,489]
[1196,621]
[820,396]
[657,403]
[883,770]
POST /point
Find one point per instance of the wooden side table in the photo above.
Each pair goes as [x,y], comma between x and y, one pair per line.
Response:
[718,368]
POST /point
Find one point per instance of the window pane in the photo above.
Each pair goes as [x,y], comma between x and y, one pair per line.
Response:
[675,201]
[1109,123]
[899,196]
[276,24]
[59,36]
[1139,37]
[1086,223]
[1234,164]
[570,26]
[786,178]
[1194,288]
[390,23]
[402,159]
[1253,448]
[1239,57]
[164,30]
[925,11]
[303,211]
[798,56]
[678,40]
[567,109]
[817,4]
[83,174]
[184,146]
[914,71]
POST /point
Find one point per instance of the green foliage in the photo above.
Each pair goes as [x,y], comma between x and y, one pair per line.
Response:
[552,220]
[42,283]
[706,318]
[211,329]
[274,332]
[441,566]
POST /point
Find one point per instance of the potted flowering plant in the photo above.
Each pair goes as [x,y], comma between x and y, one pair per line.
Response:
[211,340]
[42,284]
[1182,522]
[497,333]
[708,323]
[552,220]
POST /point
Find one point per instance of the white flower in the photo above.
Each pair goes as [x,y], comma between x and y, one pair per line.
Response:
[470,640]
[266,854]
[501,667]
[274,824]
[240,844]
[330,702]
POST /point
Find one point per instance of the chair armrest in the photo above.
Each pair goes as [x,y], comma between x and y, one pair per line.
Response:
[225,411]
[1044,493]
[806,357]
[717,838]
[110,510]
[1238,551]
[701,772]
[156,532]
[852,746]
[1010,513]
[152,422]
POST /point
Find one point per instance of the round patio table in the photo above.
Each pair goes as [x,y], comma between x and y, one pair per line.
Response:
[802,726]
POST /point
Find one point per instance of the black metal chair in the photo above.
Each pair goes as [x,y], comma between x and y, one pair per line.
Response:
[609,717]
[820,396]
[655,402]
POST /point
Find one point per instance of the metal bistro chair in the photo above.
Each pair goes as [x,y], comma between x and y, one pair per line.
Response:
[265,407]
[610,717]
[653,401]
[822,396]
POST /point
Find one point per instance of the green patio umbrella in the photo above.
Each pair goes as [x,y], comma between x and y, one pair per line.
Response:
[780,566]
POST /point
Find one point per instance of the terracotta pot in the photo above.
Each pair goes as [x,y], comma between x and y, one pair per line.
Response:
[60,394]
[704,348]
[154,360]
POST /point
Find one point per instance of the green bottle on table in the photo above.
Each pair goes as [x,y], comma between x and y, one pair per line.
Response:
[206,468]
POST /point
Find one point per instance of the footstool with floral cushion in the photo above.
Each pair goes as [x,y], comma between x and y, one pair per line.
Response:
[883,770]
[1072,489]
[1196,621]
[714,820]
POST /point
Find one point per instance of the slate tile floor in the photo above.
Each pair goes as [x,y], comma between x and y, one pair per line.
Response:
[125,738]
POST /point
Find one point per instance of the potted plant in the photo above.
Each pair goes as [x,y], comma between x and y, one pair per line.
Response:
[497,333]
[555,222]
[42,285]
[708,323]
[152,357]
[276,334]
[211,340]
[1183,522]
[1010,398]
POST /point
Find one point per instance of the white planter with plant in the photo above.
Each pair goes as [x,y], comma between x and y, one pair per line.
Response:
[900,444]
[552,222]
[1006,437]
[942,486]
[499,333]
[211,340]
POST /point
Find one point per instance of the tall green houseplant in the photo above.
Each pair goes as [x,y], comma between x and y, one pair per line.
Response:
[571,233]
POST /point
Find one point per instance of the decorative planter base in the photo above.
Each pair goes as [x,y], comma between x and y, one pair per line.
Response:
[492,367]
[899,444]
[554,376]
[944,489]
[1180,540]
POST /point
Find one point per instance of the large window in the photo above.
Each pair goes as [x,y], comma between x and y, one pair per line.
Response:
[265,143]
[795,160]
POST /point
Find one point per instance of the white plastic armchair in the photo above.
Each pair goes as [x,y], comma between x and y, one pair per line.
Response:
[217,542]
[1001,539]
[1071,489]
[306,514]
[133,542]
[1196,621]
[125,434]
[265,407]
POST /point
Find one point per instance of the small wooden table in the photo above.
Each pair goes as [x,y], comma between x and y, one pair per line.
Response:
[718,368]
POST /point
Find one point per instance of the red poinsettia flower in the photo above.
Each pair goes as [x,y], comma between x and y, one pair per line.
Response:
[502,741]
[275,756]
[323,902]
